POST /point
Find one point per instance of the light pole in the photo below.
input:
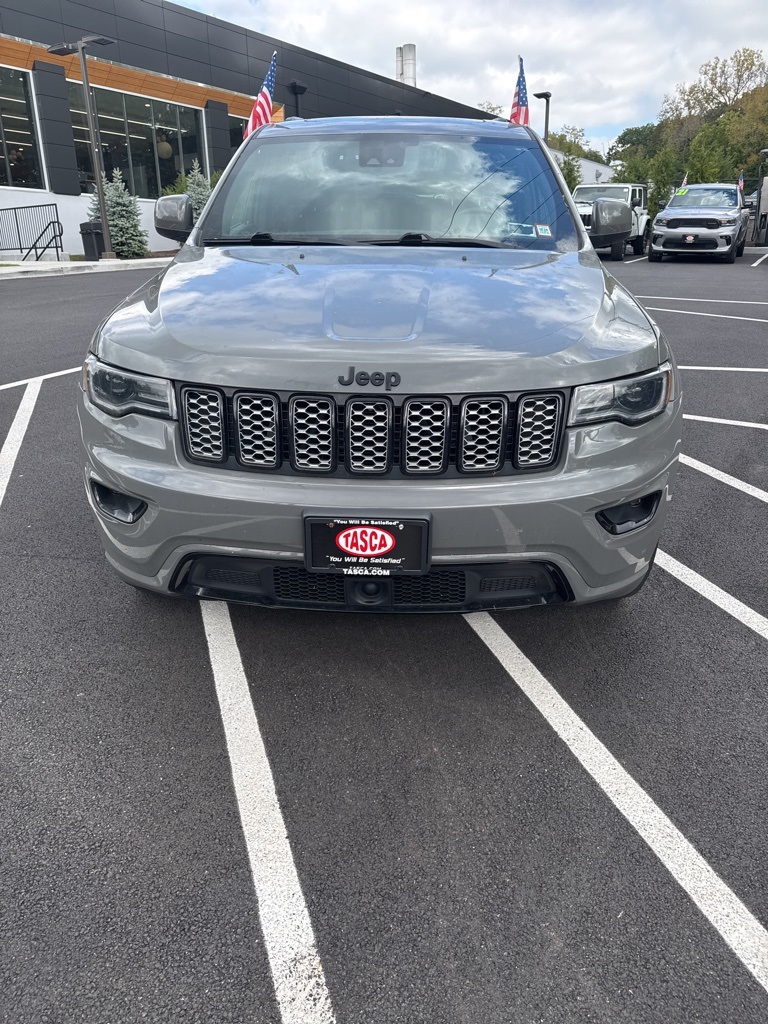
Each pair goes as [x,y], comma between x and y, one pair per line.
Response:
[64,50]
[546,96]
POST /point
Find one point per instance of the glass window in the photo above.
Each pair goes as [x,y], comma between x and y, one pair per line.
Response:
[236,129]
[148,140]
[80,133]
[167,141]
[114,143]
[141,147]
[192,144]
[493,188]
[19,148]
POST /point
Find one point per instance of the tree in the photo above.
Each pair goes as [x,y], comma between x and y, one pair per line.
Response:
[664,171]
[710,157]
[197,189]
[491,108]
[719,85]
[571,169]
[129,240]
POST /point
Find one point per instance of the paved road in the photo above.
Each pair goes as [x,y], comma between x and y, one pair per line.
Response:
[467,851]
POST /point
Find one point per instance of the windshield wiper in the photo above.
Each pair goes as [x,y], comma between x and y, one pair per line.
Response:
[421,238]
[266,238]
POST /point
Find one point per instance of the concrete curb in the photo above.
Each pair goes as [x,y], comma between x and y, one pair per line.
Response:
[81,267]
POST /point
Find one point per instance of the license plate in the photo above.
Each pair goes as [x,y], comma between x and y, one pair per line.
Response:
[366,545]
[690,239]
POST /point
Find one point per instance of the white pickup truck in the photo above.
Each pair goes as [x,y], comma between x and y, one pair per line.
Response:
[635,196]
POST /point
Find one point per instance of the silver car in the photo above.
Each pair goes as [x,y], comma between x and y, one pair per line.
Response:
[701,218]
[386,372]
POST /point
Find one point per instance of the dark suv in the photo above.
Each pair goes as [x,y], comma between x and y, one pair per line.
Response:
[386,372]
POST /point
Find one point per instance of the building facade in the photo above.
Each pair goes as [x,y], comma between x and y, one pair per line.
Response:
[175,85]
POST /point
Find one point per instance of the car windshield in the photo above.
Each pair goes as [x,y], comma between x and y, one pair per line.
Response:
[709,197]
[391,188]
[589,193]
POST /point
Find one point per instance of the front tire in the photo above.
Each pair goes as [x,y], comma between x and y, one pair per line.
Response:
[639,245]
[654,257]
[730,256]
[740,249]
[617,251]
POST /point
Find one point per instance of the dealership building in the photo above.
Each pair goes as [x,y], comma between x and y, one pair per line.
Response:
[175,85]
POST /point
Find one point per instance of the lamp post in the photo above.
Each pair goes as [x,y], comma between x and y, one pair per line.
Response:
[546,96]
[298,89]
[64,50]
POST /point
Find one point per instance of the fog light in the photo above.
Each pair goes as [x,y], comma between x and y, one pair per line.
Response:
[631,515]
[123,507]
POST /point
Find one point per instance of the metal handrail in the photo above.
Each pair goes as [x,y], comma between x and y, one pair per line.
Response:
[23,227]
[55,241]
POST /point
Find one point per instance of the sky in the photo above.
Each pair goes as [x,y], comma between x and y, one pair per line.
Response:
[608,65]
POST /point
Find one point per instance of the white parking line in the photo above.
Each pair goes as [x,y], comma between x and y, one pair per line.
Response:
[297,973]
[43,376]
[719,904]
[639,258]
[720,316]
[726,423]
[724,478]
[16,434]
[743,613]
[758,262]
[728,369]
[722,302]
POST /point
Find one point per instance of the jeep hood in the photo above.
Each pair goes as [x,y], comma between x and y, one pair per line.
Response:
[457,320]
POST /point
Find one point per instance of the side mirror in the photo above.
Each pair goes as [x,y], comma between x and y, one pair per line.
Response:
[611,217]
[173,217]
[662,204]
[635,203]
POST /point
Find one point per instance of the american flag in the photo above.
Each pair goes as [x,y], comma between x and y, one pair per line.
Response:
[519,113]
[685,180]
[741,182]
[262,108]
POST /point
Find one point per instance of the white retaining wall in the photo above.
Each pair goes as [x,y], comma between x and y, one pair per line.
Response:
[73,211]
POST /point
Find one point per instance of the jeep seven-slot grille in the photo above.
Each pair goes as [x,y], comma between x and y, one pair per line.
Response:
[315,434]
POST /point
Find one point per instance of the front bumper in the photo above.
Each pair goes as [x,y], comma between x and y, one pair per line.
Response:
[717,241]
[546,521]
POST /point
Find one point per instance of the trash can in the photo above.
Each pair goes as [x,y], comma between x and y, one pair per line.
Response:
[93,239]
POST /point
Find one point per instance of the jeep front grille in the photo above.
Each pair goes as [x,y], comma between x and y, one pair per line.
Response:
[425,434]
[203,412]
[312,430]
[373,436]
[538,429]
[256,418]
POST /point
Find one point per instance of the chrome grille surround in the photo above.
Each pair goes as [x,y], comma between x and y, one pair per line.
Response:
[538,430]
[203,413]
[369,435]
[482,434]
[257,432]
[313,433]
[425,435]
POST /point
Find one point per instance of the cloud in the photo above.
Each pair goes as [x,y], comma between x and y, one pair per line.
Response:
[607,65]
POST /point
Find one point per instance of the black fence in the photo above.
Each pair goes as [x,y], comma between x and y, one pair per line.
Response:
[31,229]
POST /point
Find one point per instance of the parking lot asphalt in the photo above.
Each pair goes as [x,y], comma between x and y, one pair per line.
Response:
[556,815]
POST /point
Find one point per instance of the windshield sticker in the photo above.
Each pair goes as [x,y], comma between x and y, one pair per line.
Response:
[543,230]
[681,191]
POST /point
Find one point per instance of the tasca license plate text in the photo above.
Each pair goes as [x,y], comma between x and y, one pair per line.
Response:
[366,547]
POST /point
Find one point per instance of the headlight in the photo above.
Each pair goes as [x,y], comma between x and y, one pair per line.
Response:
[119,392]
[631,401]
[661,221]
[729,221]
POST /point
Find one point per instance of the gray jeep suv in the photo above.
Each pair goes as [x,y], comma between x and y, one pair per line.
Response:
[386,372]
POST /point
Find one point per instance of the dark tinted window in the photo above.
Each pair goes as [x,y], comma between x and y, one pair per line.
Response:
[367,186]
